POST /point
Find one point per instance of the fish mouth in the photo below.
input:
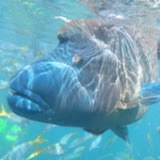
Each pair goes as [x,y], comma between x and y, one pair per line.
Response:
[22,99]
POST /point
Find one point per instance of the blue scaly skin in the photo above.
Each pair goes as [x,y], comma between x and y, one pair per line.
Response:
[91,80]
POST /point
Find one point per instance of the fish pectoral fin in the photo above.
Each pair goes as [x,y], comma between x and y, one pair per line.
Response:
[95,131]
[122,132]
[149,94]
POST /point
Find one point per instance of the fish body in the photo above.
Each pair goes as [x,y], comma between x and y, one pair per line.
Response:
[64,140]
[95,143]
[79,141]
[54,149]
[79,149]
[19,151]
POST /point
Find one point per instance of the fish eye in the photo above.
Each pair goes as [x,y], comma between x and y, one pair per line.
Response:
[77,59]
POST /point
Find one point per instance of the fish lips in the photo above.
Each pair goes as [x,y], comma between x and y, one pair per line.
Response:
[23,101]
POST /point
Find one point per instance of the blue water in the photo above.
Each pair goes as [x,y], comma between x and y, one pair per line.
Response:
[31,24]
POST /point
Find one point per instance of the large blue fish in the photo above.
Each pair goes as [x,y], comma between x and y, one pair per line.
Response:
[100,76]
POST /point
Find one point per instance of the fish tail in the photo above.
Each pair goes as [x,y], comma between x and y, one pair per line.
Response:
[149,135]
[39,139]
[37,152]
[40,53]
[24,49]
[90,136]
[150,94]
[3,112]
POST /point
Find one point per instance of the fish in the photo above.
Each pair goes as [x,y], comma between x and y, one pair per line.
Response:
[48,127]
[72,156]
[40,53]
[109,142]
[93,79]
[64,140]
[95,143]
[149,139]
[24,49]
[19,151]
[106,156]
[23,122]
[55,149]
[36,153]
[79,141]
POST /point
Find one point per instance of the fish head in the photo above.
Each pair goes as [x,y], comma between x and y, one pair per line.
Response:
[72,85]
[47,91]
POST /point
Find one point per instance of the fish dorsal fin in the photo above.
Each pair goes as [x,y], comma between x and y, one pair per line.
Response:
[82,29]
[95,131]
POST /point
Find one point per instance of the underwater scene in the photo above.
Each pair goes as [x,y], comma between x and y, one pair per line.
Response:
[79,79]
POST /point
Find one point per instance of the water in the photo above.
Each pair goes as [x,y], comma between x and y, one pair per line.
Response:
[28,31]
